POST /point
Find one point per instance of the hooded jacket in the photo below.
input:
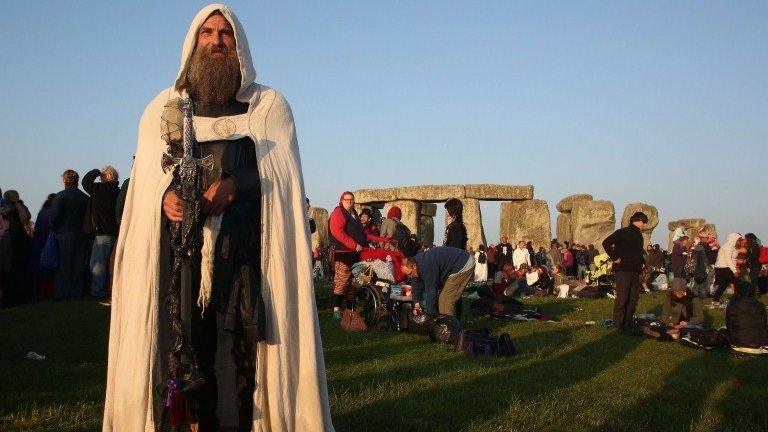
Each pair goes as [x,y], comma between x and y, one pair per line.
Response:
[726,256]
[291,390]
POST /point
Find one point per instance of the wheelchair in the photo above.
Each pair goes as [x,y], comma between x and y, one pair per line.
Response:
[381,304]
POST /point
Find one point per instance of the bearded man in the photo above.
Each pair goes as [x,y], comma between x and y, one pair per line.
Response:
[254,325]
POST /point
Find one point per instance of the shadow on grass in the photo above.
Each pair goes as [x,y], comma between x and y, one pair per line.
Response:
[684,387]
[454,398]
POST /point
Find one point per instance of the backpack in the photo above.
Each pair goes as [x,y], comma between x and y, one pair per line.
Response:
[444,329]
[762,257]
[482,259]
[402,234]
[504,346]
[475,342]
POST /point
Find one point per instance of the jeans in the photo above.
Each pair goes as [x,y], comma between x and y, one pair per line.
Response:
[99,265]
[581,271]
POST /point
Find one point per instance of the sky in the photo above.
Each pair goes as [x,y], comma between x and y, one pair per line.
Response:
[657,102]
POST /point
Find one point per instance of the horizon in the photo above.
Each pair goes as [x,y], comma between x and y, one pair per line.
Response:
[657,103]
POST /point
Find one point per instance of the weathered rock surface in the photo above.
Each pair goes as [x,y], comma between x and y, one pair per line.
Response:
[367,196]
[564,227]
[566,204]
[650,211]
[320,236]
[428,209]
[592,222]
[473,220]
[496,192]
[689,223]
[410,213]
[430,193]
[527,220]
[426,230]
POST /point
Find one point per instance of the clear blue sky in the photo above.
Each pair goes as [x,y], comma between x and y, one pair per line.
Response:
[660,102]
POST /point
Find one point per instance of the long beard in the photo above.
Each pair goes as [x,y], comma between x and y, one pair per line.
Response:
[212,79]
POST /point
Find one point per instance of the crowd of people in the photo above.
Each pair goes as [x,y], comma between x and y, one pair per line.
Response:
[691,272]
[65,253]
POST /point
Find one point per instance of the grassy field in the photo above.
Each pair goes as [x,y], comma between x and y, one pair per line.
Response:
[567,376]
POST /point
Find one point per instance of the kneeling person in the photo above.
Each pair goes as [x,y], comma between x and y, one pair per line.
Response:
[442,269]
[682,310]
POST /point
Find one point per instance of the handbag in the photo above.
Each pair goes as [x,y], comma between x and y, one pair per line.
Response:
[49,259]
[352,322]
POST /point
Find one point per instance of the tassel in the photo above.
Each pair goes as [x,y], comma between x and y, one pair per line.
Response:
[179,413]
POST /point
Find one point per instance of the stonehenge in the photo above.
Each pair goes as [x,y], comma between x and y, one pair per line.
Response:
[653,218]
[581,219]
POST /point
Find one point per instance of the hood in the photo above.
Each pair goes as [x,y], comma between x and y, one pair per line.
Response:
[732,239]
[247,71]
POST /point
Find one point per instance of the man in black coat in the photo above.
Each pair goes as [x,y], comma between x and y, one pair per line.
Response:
[67,221]
[625,247]
[745,318]
[102,223]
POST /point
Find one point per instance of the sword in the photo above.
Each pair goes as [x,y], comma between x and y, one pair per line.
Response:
[186,241]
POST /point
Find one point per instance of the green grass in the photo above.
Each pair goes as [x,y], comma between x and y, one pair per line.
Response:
[567,376]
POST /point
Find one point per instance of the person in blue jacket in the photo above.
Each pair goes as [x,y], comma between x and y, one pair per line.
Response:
[438,278]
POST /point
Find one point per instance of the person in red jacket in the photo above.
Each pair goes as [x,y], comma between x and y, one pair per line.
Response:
[348,238]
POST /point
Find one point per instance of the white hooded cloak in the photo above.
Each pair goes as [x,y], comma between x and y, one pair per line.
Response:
[291,391]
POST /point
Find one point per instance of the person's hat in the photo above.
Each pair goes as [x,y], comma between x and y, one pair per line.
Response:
[679,284]
[639,216]
[394,212]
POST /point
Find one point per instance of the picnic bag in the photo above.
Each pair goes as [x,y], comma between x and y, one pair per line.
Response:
[504,346]
[475,342]
[352,322]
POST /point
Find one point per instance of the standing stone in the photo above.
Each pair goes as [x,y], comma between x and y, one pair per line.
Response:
[428,209]
[566,204]
[473,220]
[564,228]
[426,230]
[410,214]
[650,211]
[592,222]
[527,220]
[320,238]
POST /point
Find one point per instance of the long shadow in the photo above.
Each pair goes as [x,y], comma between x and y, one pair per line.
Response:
[745,407]
[427,359]
[482,394]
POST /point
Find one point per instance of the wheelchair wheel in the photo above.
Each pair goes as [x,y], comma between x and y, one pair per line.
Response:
[368,304]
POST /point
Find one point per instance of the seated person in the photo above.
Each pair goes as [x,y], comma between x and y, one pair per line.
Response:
[371,231]
[442,265]
[542,285]
[681,310]
[745,318]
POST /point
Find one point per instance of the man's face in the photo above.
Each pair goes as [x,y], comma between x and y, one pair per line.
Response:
[504,239]
[217,36]
[348,202]
[364,219]
[408,270]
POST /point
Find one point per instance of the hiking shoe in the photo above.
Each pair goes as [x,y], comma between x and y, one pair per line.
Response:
[337,314]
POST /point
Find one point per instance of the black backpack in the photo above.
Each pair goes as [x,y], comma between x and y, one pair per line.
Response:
[504,346]
[705,339]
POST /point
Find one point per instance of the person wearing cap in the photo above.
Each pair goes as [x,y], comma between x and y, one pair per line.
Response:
[392,228]
[625,248]
[681,309]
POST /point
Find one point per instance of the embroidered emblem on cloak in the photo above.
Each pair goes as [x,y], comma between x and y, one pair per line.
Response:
[224,127]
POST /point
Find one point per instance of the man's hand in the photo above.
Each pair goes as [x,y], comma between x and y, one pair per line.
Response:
[416,308]
[358,248]
[172,206]
[617,261]
[218,196]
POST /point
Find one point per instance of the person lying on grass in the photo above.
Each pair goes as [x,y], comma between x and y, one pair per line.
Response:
[682,310]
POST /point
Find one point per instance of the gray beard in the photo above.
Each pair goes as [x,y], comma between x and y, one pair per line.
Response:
[213,80]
